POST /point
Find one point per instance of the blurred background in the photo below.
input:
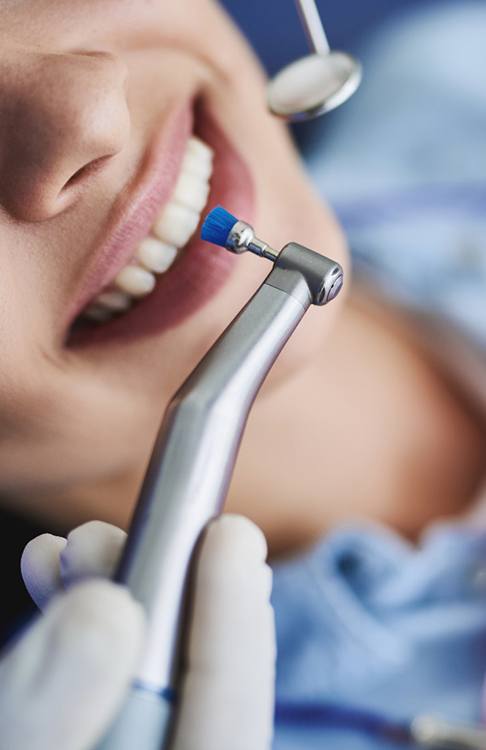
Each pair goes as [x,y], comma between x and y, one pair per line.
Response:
[273,26]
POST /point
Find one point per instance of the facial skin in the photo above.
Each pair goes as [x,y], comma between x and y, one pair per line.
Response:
[84,89]
[359,421]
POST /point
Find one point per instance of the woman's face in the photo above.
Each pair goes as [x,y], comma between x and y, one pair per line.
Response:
[98,101]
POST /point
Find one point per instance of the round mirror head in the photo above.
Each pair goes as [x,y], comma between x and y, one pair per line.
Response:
[313,85]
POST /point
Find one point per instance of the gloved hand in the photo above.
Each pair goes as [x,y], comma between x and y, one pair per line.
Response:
[63,681]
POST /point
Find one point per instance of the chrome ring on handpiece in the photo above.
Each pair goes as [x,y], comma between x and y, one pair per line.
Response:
[242,238]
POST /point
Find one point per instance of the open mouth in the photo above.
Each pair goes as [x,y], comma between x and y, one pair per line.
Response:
[153,271]
[171,232]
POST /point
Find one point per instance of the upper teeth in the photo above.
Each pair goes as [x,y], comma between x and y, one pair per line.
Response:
[171,231]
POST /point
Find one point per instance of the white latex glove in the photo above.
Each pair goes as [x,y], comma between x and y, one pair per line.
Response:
[62,683]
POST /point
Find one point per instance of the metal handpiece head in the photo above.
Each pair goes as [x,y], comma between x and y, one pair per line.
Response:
[323,276]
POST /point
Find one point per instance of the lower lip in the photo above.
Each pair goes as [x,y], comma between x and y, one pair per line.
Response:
[201,271]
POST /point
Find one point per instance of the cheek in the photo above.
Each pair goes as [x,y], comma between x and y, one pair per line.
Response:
[26,309]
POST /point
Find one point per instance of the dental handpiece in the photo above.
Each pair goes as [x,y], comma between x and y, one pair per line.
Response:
[192,462]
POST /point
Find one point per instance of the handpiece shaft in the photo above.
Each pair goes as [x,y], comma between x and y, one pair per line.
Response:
[198,442]
[190,470]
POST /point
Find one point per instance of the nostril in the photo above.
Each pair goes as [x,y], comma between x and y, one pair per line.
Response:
[74,179]
[68,114]
[87,170]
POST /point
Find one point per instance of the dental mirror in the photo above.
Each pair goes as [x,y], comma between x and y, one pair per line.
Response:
[317,83]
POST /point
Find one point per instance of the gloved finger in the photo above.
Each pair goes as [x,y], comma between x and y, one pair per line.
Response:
[228,689]
[40,567]
[63,681]
[92,551]
[50,563]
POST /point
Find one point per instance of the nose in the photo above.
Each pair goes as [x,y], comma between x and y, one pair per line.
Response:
[64,117]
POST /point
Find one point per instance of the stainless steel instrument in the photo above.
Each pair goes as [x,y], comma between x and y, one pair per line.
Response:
[190,470]
[317,83]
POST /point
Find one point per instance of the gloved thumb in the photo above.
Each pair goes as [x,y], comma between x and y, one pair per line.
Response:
[61,683]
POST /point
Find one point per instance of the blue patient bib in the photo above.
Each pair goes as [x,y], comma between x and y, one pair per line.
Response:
[368,623]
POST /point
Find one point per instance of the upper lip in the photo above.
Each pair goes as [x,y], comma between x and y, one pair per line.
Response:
[134,216]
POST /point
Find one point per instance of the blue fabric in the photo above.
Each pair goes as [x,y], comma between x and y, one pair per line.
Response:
[365,621]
